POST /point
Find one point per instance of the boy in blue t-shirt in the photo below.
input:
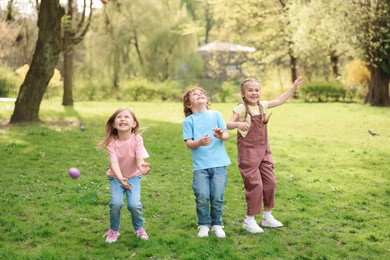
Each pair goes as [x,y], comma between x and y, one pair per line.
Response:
[204,132]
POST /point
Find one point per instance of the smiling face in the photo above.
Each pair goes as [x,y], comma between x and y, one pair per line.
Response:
[195,100]
[197,97]
[124,121]
[250,91]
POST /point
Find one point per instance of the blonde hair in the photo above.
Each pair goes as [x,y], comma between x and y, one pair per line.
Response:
[187,103]
[245,102]
[112,133]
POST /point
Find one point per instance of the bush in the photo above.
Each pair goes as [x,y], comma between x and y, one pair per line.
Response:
[226,92]
[168,91]
[132,90]
[323,91]
[9,83]
[145,90]
[93,89]
[358,77]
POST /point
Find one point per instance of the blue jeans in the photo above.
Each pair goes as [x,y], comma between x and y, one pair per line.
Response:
[209,187]
[133,197]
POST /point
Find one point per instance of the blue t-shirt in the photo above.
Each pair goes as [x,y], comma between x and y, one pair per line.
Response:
[196,126]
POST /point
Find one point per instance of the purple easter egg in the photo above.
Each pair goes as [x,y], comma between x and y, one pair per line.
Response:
[74,173]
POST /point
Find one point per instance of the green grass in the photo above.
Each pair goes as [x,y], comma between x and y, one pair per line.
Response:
[333,186]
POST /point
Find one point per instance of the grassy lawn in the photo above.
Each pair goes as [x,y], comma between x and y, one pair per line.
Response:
[333,186]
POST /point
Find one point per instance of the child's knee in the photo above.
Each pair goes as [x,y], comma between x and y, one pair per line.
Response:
[116,204]
[134,205]
[202,197]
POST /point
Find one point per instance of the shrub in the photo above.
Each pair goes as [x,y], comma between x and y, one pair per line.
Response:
[323,91]
[168,91]
[9,82]
[145,90]
[226,91]
[358,77]
[138,90]
[93,89]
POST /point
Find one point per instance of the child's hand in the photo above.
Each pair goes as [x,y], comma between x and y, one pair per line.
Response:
[243,126]
[144,168]
[123,180]
[298,82]
[218,132]
[205,140]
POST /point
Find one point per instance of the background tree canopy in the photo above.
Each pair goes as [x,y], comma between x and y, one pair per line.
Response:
[149,48]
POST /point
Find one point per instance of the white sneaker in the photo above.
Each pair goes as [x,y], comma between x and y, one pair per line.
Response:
[271,222]
[252,227]
[218,230]
[203,231]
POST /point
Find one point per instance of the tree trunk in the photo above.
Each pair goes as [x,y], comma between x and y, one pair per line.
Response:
[294,75]
[42,67]
[209,23]
[293,67]
[334,59]
[67,98]
[378,88]
[116,68]
[10,10]
[136,44]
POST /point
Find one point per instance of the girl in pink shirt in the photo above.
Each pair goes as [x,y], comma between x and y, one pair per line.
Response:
[127,153]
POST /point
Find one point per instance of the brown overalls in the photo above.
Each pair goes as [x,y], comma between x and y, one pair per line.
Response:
[256,167]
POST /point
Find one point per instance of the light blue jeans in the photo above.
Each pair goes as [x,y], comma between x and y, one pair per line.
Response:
[209,187]
[133,197]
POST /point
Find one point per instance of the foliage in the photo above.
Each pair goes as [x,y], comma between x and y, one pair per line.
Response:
[190,70]
[142,39]
[373,39]
[137,89]
[145,90]
[323,91]
[373,27]
[357,78]
[17,41]
[9,82]
[333,186]
[203,14]
[227,91]
[92,89]
[157,41]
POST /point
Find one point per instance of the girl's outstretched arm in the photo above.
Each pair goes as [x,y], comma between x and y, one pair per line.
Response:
[282,98]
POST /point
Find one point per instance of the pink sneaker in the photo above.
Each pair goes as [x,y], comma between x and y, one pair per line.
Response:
[111,236]
[141,233]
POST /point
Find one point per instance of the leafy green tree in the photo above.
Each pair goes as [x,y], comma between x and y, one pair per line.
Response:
[203,14]
[143,38]
[373,37]
[269,26]
[325,34]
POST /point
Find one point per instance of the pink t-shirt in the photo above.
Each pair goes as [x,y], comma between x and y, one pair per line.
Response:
[126,153]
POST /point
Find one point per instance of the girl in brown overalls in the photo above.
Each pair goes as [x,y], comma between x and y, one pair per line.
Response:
[254,153]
